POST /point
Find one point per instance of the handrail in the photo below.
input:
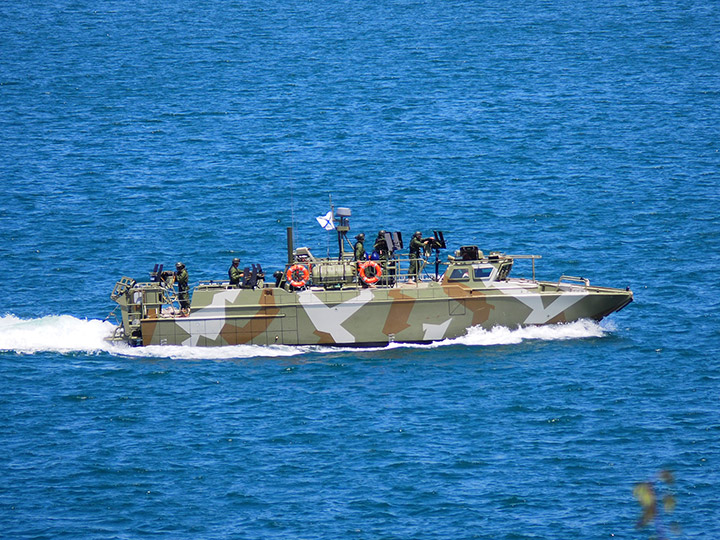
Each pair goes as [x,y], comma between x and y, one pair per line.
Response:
[574,278]
[397,268]
[400,266]
[523,256]
[532,257]
[169,297]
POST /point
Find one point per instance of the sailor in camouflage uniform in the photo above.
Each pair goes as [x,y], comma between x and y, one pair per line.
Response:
[383,254]
[417,247]
[360,247]
[234,273]
[182,279]
[381,246]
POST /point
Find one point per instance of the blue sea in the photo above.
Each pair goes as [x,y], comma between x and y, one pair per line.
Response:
[136,133]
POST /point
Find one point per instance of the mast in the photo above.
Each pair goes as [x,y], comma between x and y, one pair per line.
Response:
[290,245]
[342,229]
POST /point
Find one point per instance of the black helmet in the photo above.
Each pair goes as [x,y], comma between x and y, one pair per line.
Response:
[179,265]
[360,236]
[236,261]
[381,233]
[417,234]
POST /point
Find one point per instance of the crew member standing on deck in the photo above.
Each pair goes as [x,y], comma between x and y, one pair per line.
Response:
[381,252]
[417,245]
[360,247]
[182,279]
[234,273]
[360,256]
[381,247]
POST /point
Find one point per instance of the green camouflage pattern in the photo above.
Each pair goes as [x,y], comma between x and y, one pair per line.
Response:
[335,307]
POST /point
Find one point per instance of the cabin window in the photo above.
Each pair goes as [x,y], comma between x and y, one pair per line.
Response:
[459,274]
[482,272]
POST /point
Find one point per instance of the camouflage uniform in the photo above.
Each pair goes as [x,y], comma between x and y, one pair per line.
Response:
[182,278]
[381,246]
[360,248]
[416,247]
[235,274]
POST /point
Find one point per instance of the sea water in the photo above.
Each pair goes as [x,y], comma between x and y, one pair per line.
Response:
[142,133]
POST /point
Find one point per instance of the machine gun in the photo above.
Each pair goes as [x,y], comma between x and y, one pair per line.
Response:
[251,277]
[156,273]
[436,242]
[167,277]
[394,242]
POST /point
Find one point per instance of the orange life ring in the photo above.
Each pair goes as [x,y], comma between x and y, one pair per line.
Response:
[297,275]
[375,266]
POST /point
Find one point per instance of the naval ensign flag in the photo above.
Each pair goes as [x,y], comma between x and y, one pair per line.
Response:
[326,221]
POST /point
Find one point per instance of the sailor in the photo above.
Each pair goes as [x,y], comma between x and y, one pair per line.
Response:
[417,245]
[381,247]
[381,253]
[182,278]
[234,273]
[360,247]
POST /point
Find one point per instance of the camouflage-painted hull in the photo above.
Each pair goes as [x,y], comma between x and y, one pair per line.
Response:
[356,316]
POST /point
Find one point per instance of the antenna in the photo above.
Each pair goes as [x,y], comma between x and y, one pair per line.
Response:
[332,217]
[292,209]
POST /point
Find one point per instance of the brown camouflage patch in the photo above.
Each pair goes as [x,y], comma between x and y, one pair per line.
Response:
[559,318]
[148,329]
[474,300]
[234,334]
[325,338]
[400,309]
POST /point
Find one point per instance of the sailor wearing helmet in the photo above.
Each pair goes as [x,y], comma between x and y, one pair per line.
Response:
[182,279]
[381,247]
[234,273]
[359,250]
[417,245]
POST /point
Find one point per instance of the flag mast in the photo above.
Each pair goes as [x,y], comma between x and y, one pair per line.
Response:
[327,222]
[332,220]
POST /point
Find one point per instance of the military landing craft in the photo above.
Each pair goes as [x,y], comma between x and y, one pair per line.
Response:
[340,301]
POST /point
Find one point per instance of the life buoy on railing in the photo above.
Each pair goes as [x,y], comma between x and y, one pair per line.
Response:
[297,275]
[376,275]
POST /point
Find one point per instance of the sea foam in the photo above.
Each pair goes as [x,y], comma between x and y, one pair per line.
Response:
[53,333]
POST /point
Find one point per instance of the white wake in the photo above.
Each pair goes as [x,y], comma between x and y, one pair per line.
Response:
[54,333]
[500,335]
